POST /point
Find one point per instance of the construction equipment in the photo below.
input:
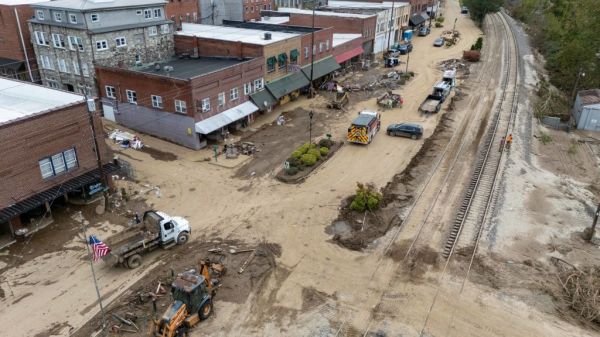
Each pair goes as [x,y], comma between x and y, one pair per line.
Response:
[390,100]
[364,127]
[192,301]
[339,101]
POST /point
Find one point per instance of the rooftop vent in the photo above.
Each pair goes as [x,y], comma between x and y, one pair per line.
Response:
[157,67]
[267,36]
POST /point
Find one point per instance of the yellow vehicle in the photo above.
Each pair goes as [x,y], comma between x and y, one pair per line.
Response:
[364,127]
[192,302]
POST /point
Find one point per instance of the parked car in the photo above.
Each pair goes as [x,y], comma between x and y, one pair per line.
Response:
[424,31]
[438,42]
[405,48]
[414,131]
[464,10]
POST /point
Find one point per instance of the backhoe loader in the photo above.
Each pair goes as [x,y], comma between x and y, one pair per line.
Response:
[192,301]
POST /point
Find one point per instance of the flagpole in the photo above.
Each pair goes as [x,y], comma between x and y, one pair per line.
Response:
[87,245]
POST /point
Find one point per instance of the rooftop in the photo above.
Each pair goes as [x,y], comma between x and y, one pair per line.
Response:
[246,35]
[274,20]
[365,5]
[590,96]
[339,39]
[20,2]
[20,100]
[322,13]
[83,5]
[271,28]
[184,69]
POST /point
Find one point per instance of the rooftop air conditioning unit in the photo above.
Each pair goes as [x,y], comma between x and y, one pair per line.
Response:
[267,36]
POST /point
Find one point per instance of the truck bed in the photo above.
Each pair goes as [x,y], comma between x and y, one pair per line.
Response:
[431,103]
[133,237]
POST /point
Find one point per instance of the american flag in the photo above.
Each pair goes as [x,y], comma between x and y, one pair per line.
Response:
[99,248]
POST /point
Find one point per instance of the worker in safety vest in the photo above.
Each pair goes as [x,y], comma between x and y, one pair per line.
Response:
[509,140]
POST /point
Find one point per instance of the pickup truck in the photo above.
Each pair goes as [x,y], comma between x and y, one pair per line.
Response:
[433,102]
[156,229]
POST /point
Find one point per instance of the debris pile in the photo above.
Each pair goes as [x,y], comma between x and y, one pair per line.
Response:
[581,291]
[126,139]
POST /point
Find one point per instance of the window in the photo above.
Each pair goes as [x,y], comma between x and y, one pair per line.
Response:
[247,9]
[269,6]
[84,70]
[157,12]
[321,47]
[138,59]
[101,45]
[282,60]
[76,67]
[152,30]
[314,50]
[131,96]
[40,15]
[164,29]
[138,38]
[75,42]
[206,105]
[121,42]
[58,40]
[58,17]
[138,12]
[157,101]
[233,94]
[271,64]
[258,84]
[147,14]
[62,66]
[327,44]
[180,106]
[221,99]
[306,52]
[294,56]
[110,91]
[40,39]
[247,88]
[46,62]
[53,84]
[251,9]
[72,18]
[95,17]
[58,163]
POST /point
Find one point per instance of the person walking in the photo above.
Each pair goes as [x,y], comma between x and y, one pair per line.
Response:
[501,144]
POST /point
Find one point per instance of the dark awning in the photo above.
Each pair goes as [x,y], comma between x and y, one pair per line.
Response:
[271,60]
[285,85]
[294,54]
[263,99]
[416,19]
[10,64]
[53,193]
[322,67]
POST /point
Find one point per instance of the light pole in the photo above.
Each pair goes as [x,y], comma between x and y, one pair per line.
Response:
[310,117]
[391,25]
[454,27]
[580,74]
[312,52]
[593,229]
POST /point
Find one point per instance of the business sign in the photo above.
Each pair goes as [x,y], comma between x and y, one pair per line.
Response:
[95,188]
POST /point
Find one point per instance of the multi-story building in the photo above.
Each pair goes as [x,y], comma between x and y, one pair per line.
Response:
[215,11]
[392,19]
[300,4]
[184,100]
[71,37]
[180,11]
[48,153]
[17,58]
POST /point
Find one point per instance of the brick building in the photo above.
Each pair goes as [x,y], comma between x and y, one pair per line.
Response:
[180,11]
[186,101]
[339,23]
[215,11]
[17,57]
[252,8]
[47,153]
[71,37]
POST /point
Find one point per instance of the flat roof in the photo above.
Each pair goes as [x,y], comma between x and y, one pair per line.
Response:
[20,100]
[339,39]
[365,5]
[20,2]
[83,5]
[322,13]
[274,20]
[246,35]
[184,69]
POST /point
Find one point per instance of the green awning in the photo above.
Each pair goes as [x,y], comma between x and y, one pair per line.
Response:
[263,99]
[294,54]
[322,67]
[271,60]
[287,84]
[282,58]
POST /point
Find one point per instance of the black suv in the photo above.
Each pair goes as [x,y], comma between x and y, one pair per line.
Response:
[413,131]
[405,48]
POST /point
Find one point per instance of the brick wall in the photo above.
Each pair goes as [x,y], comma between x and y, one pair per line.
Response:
[324,38]
[10,40]
[216,48]
[252,8]
[25,142]
[347,47]
[183,11]
[365,27]
[274,49]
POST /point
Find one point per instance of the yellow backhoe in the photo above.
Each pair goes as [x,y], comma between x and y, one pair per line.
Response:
[192,293]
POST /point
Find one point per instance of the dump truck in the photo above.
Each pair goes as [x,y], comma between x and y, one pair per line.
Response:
[156,229]
[192,294]
[364,127]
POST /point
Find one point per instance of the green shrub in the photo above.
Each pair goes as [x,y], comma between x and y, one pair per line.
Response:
[294,162]
[297,154]
[438,25]
[291,171]
[328,143]
[308,159]
[545,138]
[478,44]
[366,198]
[324,151]
[315,152]
[439,19]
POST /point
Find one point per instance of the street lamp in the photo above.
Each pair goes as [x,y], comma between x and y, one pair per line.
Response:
[310,118]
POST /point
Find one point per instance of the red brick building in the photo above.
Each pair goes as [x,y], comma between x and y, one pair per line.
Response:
[17,58]
[186,101]
[180,11]
[47,153]
[252,8]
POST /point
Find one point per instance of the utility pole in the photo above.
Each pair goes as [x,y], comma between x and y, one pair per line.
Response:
[454,27]
[312,52]
[407,59]
[430,14]
[580,74]
[391,25]
[594,223]
[310,117]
